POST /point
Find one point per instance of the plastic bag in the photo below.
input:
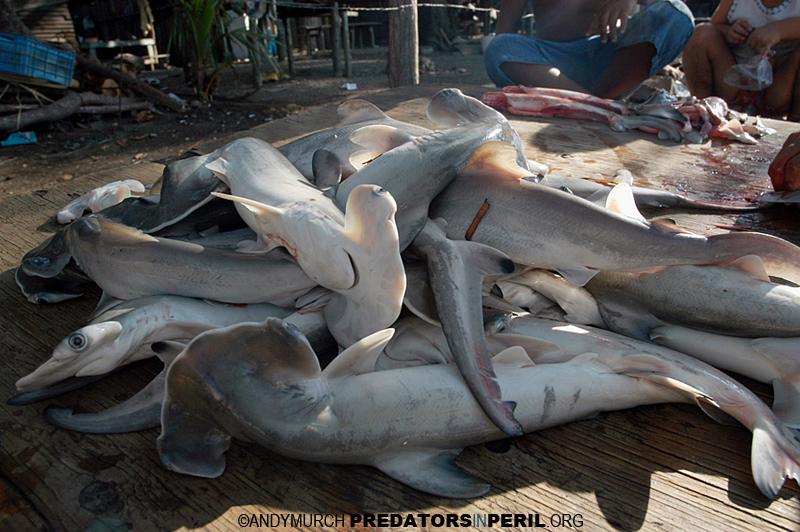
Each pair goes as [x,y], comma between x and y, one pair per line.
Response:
[754,75]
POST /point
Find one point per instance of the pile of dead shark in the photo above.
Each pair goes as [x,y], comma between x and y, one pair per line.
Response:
[383,294]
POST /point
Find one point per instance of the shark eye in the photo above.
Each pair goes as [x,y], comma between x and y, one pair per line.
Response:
[381,190]
[77,341]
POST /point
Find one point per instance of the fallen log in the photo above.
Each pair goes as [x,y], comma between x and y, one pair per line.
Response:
[66,106]
[70,104]
[129,82]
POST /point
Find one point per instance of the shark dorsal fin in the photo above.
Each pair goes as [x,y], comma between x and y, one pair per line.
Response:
[751,265]
[360,357]
[620,200]
[357,111]
[513,356]
[495,159]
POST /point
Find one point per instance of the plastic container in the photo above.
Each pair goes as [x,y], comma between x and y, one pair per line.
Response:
[25,56]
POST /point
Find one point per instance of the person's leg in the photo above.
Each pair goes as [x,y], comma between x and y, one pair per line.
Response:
[629,67]
[785,89]
[654,37]
[513,59]
[540,76]
[706,59]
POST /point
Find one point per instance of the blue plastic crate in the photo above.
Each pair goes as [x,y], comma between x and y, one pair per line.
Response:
[25,56]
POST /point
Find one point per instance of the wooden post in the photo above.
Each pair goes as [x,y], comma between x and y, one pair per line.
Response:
[336,32]
[289,44]
[348,70]
[403,67]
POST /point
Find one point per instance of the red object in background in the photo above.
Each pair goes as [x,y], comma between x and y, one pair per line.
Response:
[785,168]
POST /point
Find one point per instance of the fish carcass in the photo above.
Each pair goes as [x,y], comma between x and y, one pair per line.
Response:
[493,202]
[262,383]
[128,264]
[118,334]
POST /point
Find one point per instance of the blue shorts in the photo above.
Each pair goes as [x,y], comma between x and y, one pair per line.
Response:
[668,24]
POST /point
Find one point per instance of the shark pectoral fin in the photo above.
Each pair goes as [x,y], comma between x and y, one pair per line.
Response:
[356,111]
[620,200]
[751,265]
[534,347]
[262,211]
[513,356]
[668,225]
[419,298]
[712,410]
[782,352]
[379,137]
[140,412]
[576,274]
[327,168]
[484,260]
[494,302]
[314,299]
[360,357]
[105,304]
[432,471]
[787,402]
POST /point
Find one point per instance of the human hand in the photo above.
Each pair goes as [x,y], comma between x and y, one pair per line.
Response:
[605,21]
[764,38]
[785,168]
[737,32]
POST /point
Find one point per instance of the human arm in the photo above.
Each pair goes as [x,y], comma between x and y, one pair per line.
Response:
[510,14]
[785,168]
[764,38]
[735,33]
[605,22]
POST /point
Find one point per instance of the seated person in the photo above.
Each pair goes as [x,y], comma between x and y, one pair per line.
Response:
[738,30]
[587,45]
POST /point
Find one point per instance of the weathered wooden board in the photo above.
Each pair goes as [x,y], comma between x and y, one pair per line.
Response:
[665,468]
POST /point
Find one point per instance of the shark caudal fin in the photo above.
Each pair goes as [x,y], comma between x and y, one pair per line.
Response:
[774,456]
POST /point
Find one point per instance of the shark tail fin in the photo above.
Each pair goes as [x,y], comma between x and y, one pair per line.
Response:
[774,457]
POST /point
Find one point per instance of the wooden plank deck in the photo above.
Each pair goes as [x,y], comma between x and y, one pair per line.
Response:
[660,468]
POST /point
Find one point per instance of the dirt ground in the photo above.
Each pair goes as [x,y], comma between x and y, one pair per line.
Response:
[84,144]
